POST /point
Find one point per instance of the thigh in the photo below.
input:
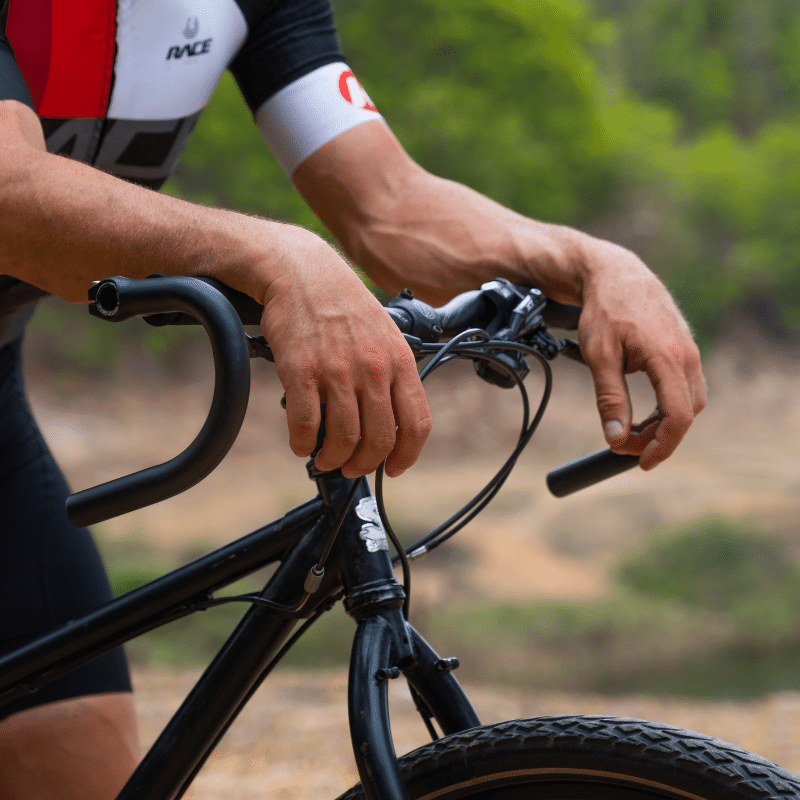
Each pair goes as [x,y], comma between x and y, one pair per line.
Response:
[85,747]
[50,572]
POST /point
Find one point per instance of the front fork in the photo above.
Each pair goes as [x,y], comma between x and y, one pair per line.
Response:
[385,646]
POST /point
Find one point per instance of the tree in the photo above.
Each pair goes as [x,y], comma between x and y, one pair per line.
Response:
[713,63]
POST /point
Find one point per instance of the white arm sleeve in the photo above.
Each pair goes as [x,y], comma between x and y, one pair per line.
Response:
[308,113]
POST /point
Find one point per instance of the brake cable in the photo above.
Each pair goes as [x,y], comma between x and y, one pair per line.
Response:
[465,346]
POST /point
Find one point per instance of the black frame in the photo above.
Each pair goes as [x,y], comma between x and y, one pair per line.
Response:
[339,527]
[385,644]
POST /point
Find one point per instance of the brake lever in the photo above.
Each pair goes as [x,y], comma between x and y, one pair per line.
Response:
[258,347]
[571,349]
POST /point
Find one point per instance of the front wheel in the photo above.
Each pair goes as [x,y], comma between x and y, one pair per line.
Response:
[587,758]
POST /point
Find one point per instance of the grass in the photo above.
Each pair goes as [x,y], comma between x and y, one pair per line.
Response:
[711,610]
[720,566]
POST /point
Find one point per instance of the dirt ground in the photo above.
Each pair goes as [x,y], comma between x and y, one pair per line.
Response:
[292,740]
[740,460]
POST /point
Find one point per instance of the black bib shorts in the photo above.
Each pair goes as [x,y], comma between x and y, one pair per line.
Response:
[50,571]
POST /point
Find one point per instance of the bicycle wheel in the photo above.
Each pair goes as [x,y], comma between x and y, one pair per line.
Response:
[587,757]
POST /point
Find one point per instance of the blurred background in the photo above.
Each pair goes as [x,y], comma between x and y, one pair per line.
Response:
[669,126]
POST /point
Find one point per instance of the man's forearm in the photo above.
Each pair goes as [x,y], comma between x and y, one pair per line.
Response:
[405,227]
[64,224]
[408,228]
[452,239]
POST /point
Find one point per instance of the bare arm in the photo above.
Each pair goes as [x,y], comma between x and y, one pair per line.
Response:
[64,224]
[406,227]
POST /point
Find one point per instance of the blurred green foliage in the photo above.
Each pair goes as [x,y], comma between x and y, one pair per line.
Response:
[670,126]
[70,349]
[723,567]
[731,64]
[498,94]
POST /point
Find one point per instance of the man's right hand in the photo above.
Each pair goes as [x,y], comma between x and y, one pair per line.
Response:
[334,344]
[64,224]
[630,323]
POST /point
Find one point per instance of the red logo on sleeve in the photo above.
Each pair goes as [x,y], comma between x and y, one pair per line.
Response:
[352,91]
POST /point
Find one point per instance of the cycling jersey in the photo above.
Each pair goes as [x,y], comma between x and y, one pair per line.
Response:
[119,84]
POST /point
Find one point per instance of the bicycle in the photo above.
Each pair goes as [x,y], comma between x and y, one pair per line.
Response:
[336,547]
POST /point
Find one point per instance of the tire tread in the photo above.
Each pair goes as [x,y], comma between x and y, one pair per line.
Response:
[736,771]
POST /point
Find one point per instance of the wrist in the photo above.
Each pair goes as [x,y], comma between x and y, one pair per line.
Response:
[254,255]
[560,261]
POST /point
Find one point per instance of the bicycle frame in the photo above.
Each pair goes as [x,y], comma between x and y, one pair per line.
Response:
[384,646]
[358,567]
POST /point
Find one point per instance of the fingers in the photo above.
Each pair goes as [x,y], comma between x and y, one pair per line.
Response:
[342,433]
[374,411]
[630,323]
[359,431]
[338,378]
[395,423]
[681,393]
[414,423]
[613,400]
[303,415]
[675,374]
[335,344]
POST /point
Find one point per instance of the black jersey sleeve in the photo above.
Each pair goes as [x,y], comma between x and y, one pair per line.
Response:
[12,84]
[287,39]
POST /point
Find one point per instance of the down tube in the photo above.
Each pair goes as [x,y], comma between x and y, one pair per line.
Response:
[219,695]
[209,708]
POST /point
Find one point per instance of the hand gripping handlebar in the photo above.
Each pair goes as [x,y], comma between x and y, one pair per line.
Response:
[489,308]
[221,311]
[118,299]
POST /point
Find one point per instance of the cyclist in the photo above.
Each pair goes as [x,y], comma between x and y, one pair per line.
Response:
[116,88]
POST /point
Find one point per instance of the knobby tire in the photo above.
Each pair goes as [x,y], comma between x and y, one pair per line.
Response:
[588,758]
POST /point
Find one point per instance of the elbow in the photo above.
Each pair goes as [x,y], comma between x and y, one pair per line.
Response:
[19,126]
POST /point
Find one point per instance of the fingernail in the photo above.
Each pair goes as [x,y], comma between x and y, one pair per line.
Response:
[613,429]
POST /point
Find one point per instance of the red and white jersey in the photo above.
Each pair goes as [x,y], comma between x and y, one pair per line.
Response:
[120,83]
